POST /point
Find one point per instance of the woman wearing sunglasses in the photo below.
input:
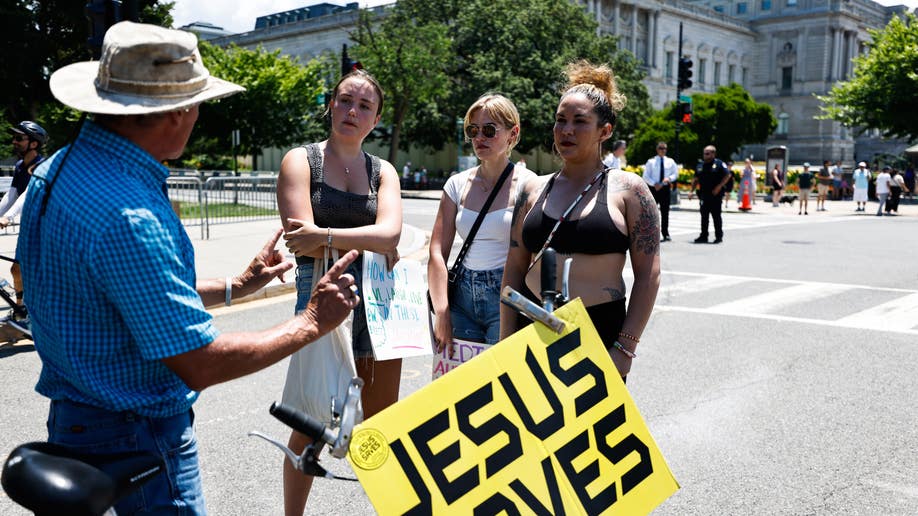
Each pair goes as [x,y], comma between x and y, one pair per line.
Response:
[593,215]
[492,125]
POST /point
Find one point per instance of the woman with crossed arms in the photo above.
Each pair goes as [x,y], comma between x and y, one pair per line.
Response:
[615,216]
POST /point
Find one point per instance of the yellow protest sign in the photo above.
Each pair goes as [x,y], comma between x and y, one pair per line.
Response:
[540,423]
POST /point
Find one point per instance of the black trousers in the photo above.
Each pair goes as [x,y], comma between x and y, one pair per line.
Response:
[661,196]
[711,206]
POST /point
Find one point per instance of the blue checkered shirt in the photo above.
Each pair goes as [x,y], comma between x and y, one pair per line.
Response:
[109,278]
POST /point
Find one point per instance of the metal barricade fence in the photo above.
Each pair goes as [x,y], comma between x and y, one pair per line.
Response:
[223,199]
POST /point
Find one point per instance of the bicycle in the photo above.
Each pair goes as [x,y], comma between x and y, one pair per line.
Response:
[15,325]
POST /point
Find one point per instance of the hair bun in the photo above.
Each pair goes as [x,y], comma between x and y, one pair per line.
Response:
[583,72]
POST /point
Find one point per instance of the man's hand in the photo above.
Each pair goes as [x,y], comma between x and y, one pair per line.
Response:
[268,264]
[334,296]
[716,190]
[4,222]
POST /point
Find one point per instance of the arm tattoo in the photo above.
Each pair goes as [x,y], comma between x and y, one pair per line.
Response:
[645,232]
[514,243]
[518,210]
[617,182]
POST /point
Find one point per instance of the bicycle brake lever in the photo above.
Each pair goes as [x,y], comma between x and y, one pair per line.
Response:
[512,298]
[351,416]
[565,281]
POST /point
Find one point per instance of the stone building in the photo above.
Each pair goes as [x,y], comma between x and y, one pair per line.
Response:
[784,52]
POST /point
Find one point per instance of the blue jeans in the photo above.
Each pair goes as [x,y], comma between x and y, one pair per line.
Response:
[360,335]
[176,491]
[475,307]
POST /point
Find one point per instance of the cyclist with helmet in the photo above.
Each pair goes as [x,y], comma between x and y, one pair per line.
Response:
[28,140]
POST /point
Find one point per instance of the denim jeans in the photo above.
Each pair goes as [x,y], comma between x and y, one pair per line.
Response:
[882,198]
[175,491]
[475,307]
[360,335]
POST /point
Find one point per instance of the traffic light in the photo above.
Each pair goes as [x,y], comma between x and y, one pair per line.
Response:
[686,112]
[685,73]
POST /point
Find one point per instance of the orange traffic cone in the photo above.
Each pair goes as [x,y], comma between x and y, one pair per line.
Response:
[746,206]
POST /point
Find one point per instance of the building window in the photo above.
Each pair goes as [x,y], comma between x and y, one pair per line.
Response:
[783,124]
[766,5]
[702,65]
[792,3]
[741,8]
[719,8]
[745,76]
[668,65]
[731,74]
[787,77]
[717,69]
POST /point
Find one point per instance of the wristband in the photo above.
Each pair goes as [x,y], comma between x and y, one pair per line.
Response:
[629,337]
[618,345]
[329,238]
[229,290]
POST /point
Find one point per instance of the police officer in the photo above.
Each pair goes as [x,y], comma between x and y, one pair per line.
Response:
[711,176]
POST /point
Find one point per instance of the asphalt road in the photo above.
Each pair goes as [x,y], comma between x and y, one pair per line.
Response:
[776,375]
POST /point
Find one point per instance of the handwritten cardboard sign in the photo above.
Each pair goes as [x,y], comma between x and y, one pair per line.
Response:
[396,307]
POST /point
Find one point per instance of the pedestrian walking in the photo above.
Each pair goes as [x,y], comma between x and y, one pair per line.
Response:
[471,311]
[120,324]
[777,185]
[825,177]
[661,173]
[861,178]
[837,176]
[896,187]
[883,185]
[728,188]
[616,158]
[747,182]
[594,214]
[333,194]
[711,176]
[805,184]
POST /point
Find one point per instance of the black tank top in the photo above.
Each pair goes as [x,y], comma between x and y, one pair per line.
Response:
[336,208]
[595,233]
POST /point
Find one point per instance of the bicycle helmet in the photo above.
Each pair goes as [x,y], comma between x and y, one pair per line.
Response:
[32,130]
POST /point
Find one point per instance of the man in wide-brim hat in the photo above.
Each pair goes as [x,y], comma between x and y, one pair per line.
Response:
[117,313]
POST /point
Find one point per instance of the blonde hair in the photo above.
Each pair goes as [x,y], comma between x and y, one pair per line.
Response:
[498,107]
[597,83]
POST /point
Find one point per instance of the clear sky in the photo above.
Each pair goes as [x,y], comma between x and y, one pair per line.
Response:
[239,15]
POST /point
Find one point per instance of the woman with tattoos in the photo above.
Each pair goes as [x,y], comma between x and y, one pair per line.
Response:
[615,214]
[492,124]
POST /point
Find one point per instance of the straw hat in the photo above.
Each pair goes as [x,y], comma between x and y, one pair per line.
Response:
[143,69]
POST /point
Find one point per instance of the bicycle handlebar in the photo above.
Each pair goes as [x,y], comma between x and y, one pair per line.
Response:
[302,423]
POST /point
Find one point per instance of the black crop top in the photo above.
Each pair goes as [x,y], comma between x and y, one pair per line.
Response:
[595,233]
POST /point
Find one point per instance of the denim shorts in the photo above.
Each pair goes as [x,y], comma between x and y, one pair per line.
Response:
[475,307]
[360,336]
[176,491]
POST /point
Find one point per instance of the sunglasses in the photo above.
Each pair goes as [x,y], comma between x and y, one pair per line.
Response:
[19,137]
[487,130]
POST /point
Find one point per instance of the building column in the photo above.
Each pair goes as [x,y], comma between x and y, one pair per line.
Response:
[634,11]
[837,55]
[616,27]
[652,39]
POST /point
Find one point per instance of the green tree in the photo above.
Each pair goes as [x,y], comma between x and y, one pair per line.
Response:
[30,55]
[518,48]
[279,108]
[883,90]
[727,119]
[409,58]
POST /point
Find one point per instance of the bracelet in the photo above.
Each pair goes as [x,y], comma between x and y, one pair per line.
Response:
[229,290]
[329,237]
[618,345]
[629,337]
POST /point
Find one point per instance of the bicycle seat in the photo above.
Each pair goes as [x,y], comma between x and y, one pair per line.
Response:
[50,479]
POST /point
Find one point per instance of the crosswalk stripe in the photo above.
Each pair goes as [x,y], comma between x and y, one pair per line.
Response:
[896,315]
[695,286]
[772,301]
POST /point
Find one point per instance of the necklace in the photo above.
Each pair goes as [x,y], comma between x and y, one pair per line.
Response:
[347,171]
